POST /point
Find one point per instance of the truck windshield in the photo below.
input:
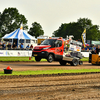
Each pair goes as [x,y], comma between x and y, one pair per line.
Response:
[49,42]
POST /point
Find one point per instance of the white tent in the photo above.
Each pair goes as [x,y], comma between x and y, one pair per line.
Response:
[19,35]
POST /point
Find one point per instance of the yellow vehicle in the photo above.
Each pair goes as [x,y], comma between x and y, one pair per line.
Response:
[40,39]
[94,59]
[94,56]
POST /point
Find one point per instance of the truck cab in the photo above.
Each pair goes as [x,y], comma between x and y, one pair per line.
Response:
[50,49]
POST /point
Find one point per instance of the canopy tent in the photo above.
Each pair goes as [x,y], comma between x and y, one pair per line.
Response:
[19,34]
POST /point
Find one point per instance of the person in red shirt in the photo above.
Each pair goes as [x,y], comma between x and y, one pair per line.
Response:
[31,47]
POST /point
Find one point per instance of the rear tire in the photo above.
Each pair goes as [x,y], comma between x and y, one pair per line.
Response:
[50,58]
[75,62]
[62,62]
[37,59]
[80,62]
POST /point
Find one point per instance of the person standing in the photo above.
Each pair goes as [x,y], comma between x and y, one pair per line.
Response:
[93,50]
[27,47]
[14,46]
[21,46]
[9,46]
[0,46]
[4,46]
[97,49]
[31,47]
[89,48]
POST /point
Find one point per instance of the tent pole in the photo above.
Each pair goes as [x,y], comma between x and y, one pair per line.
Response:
[17,43]
[12,42]
[24,43]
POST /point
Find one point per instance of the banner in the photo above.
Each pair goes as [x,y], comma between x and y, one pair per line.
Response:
[20,53]
[84,37]
[95,42]
[75,48]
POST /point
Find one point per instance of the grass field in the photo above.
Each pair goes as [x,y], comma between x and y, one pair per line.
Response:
[27,59]
[38,72]
[18,59]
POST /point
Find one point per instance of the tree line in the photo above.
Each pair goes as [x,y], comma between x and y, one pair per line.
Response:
[11,19]
[76,29]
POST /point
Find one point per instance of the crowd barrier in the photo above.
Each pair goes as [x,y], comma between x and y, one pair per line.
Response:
[85,54]
[25,53]
[17,53]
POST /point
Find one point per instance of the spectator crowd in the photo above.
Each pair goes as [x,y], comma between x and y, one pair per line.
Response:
[9,46]
[89,48]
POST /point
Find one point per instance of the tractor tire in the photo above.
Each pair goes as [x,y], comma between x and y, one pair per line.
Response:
[75,62]
[80,62]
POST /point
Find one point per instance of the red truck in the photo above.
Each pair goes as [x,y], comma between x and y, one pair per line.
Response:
[53,50]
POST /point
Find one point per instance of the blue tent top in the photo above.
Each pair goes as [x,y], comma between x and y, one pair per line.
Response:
[18,34]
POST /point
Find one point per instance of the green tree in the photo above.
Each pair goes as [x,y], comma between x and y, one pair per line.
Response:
[61,31]
[92,31]
[68,29]
[76,29]
[84,23]
[0,24]
[36,30]
[10,20]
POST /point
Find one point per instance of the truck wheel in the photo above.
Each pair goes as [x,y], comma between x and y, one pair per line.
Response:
[75,62]
[37,59]
[62,62]
[80,62]
[50,58]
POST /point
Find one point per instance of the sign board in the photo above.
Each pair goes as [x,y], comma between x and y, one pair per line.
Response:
[75,48]
[96,42]
[76,42]
[15,53]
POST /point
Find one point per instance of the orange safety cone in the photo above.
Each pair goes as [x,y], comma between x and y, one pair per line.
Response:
[9,68]
[29,58]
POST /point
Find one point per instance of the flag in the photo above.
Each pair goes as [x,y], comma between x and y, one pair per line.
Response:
[21,31]
[21,26]
[84,37]
[2,40]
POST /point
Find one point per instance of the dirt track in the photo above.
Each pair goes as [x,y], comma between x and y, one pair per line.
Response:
[67,87]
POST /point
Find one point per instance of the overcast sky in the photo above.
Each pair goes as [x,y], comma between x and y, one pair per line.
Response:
[52,13]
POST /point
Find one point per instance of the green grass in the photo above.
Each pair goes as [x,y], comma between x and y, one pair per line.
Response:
[18,59]
[27,59]
[38,72]
[85,59]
